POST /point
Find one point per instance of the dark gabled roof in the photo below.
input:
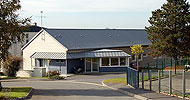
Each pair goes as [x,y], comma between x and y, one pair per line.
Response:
[34,28]
[74,39]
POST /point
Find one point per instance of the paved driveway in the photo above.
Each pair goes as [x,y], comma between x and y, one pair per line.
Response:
[96,77]
[80,87]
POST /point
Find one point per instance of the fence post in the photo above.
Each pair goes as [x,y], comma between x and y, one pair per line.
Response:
[157,63]
[159,82]
[183,81]
[142,71]
[127,76]
[170,82]
[171,63]
[150,80]
[162,68]
[138,79]
[175,66]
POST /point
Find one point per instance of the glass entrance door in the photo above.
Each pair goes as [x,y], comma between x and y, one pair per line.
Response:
[92,64]
[88,64]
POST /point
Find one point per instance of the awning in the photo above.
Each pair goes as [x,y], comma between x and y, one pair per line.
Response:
[48,55]
[98,53]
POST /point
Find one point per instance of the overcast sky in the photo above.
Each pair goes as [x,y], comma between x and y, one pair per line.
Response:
[91,13]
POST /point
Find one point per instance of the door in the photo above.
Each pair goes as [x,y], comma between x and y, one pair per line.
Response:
[88,64]
[92,65]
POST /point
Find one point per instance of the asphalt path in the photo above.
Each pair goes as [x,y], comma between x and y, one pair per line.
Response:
[75,88]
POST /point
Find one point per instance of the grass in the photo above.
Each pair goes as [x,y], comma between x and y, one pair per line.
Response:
[117,80]
[124,80]
[14,92]
[4,78]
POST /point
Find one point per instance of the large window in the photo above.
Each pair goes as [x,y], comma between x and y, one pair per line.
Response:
[114,61]
[122,61]
[105,61]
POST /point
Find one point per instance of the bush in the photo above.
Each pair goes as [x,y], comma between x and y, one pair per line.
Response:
[57,77]
[11,65]
[52,73]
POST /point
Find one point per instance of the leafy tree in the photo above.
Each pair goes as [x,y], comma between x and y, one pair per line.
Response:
[137,49]
[11,26]
[11,65]
[169,29]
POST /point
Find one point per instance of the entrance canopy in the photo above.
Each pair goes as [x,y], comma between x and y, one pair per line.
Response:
[48,55]
[98,54]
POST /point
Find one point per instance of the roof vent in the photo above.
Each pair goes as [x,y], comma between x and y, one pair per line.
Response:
[110,36]
[55,36]
[80,35]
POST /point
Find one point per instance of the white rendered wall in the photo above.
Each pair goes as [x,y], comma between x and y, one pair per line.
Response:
[44,42]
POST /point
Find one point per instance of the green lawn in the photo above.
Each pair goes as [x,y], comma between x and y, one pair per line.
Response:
[124,80]
[4,78]
[14,92]
[116,80]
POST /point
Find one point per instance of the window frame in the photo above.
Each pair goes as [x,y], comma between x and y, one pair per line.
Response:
[119,65]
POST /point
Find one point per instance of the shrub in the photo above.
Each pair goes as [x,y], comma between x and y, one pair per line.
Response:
[52,73]
[57,77]
[11,65]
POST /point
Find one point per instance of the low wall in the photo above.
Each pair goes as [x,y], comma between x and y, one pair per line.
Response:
[25,73]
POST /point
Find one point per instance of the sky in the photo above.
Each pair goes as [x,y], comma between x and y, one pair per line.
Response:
[129,14]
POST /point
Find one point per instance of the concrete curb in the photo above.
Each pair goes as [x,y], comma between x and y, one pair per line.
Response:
[125,92]
[27,96]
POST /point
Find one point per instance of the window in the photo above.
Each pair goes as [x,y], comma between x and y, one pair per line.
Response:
[122,61]
[145,55]
[60,60]
[14,40]
[43,36]
[114,62]
[27,41]
[27,35]
[105,61]
[140,57]
[133,57]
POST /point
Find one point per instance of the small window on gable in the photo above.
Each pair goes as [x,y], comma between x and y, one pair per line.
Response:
[43,36]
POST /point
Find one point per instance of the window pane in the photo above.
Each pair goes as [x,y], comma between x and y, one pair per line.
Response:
[133,57]
[105,61]
[139,57]
[122,61]
[88,64]
[114,62]
[95,64]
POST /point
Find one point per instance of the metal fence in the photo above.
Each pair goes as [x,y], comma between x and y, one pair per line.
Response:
[132,77]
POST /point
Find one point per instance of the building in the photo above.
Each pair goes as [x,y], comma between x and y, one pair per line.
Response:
[15,49]
[94,50]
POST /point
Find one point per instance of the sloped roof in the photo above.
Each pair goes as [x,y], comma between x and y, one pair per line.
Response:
[97,54]
[87,54]
[74,39]
[48,55]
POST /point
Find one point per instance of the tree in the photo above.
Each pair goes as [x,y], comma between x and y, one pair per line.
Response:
[137,49]
[11,26]
[169,29]
[11,65]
